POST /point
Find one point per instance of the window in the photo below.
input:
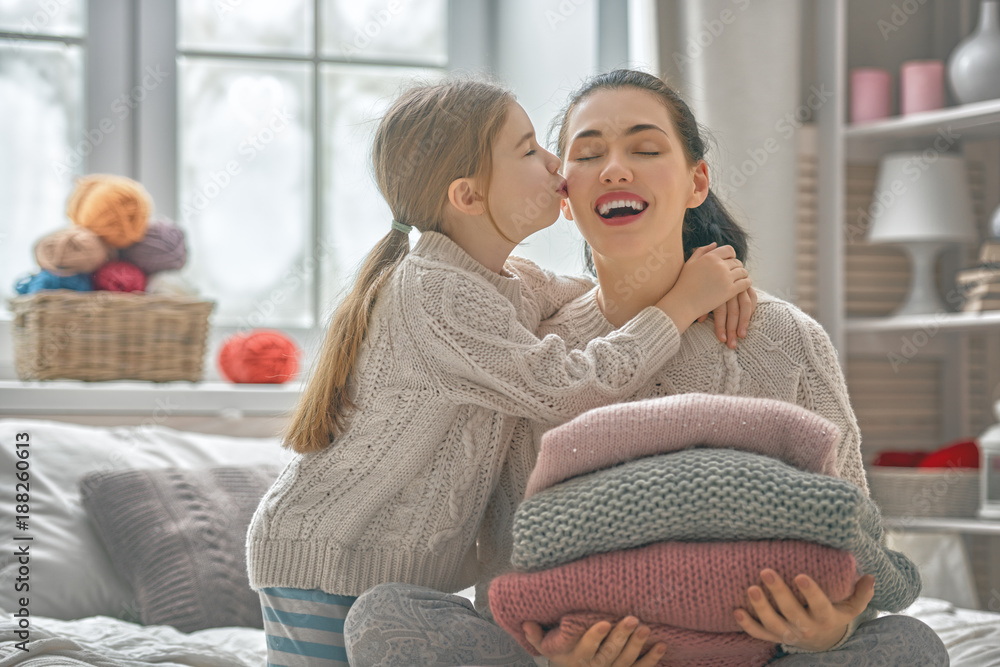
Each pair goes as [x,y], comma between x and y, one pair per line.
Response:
[259,150]
[42,51]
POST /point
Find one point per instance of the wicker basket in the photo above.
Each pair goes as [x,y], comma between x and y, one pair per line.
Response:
[100,335]
[925,492]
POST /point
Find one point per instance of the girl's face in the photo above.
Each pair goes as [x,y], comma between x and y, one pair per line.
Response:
[628,177]
[526,187]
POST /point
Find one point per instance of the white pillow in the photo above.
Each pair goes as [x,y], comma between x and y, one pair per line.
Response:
[70,573]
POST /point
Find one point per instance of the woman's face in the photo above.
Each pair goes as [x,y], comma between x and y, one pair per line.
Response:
[628,177]
[526,187]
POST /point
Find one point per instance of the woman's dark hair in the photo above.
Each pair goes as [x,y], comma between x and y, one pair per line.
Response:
[710,221]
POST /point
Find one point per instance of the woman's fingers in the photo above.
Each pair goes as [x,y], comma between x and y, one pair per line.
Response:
[753,628]
[771,621]
[701,250]
[864,590]
[611,647]
[720,315]
[789,606]
[732,320]
[653,656]
[632,648]
[746,310]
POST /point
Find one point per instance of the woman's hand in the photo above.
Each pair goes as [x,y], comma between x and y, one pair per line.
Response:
[815,627]
[733,317]
[708,280]
[598,648]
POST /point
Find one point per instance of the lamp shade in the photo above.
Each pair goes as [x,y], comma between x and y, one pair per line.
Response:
[922,197]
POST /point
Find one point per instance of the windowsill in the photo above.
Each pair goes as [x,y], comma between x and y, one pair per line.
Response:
[70,397]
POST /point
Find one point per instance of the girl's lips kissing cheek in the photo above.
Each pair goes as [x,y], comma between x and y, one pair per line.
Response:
[620,208]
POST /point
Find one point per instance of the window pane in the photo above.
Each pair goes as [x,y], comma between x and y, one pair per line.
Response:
[244,26]
[246,182]
[355,216]
[34,17]
[407,30]
[40,120]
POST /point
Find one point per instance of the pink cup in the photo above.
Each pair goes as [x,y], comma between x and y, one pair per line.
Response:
[921,86]
[871,94]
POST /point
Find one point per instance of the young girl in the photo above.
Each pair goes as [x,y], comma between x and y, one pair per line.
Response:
[431,368]
[627,135]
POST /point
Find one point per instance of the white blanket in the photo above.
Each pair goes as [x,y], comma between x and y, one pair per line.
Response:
[108,642]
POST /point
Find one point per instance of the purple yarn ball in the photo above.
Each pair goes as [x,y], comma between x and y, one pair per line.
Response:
[162,249]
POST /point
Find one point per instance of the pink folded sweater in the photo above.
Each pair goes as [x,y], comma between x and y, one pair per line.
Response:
[686,648]
[607,436]
[689,585]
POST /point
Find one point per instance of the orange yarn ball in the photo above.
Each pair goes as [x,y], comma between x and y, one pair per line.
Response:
[262,356]
[115,208]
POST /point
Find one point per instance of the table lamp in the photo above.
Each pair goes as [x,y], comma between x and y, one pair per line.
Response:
[922,203]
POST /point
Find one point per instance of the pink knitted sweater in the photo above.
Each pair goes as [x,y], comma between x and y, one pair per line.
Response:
[691,585]
[607,436]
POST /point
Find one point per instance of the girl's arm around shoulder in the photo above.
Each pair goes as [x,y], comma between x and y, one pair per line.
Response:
[477,349]
[550,290]
[822,387]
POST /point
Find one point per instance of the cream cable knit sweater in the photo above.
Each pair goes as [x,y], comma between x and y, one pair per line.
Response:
[449,374]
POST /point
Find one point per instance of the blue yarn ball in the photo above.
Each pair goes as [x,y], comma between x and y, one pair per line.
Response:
[44,280]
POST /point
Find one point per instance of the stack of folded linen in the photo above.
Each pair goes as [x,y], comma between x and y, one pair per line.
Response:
[668,509]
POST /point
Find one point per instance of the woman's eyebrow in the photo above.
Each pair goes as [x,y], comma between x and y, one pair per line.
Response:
[635,129]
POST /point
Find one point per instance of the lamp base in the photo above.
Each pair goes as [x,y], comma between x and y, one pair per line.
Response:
[923,298]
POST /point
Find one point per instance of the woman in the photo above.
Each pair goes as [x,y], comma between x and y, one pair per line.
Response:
[639,193]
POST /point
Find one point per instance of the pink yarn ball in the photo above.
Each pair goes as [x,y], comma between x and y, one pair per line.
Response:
[120,276]
[162,249]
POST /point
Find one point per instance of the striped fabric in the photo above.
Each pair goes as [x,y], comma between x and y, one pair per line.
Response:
[304,628]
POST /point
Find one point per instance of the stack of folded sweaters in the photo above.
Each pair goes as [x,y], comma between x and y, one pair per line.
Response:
[669,508]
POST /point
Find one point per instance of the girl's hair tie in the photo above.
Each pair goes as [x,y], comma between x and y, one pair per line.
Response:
[401,226]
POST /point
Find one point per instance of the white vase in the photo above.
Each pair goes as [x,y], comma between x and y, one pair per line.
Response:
[974,65]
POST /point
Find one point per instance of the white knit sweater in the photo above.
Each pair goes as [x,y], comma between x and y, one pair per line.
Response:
[449,374]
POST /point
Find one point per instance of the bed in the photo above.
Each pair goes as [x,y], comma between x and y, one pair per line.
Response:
[135,551]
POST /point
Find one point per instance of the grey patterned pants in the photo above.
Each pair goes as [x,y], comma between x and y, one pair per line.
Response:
[402,625]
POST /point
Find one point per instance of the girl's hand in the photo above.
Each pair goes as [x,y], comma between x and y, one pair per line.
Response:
[731,319]
[708,280]
[816,627]
[598,648]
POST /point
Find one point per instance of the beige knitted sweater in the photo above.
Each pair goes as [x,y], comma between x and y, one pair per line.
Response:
[786,355]
[450,372]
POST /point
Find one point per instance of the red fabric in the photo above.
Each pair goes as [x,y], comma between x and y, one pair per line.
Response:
[899,459]
[963,454]
[682,586]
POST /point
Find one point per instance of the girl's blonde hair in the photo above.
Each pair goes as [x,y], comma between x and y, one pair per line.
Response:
[430,136]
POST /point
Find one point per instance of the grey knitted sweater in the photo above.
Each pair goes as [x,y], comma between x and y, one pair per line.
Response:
[703,495]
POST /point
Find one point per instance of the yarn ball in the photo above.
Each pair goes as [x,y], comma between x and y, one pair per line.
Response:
[44,280]
[71,251]
[120,276]
[170,283]
[115,208]
[162,249]
[262,356]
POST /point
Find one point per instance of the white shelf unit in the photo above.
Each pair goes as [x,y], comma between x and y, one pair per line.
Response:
[942,336]
[845,155]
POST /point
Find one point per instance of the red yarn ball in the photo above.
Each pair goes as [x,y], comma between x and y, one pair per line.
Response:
[262,356]
[120,276]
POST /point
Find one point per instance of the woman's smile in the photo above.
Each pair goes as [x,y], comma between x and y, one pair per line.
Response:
[620,208]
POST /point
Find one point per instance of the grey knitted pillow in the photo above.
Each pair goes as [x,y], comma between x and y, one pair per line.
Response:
[177,536]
